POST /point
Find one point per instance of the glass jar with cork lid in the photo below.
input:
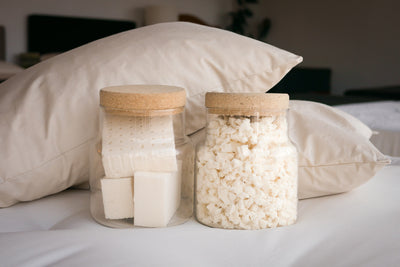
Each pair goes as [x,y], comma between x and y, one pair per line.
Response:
[141,165]
[246,169]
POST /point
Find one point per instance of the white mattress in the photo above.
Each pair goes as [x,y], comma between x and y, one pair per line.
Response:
[383,117]
[359,228]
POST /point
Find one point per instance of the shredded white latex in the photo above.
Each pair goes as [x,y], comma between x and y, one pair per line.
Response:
[247,174]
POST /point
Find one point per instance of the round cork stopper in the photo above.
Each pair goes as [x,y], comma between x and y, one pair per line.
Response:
[145,100]
[248,104]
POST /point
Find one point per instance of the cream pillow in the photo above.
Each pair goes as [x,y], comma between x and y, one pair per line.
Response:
[335,154]
[48,113]
[8,69]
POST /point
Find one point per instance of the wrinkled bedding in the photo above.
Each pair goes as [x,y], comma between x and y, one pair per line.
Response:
[358,228]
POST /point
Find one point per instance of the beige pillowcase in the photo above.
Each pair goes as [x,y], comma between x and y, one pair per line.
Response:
[49,112]
[335,154]
[8,69]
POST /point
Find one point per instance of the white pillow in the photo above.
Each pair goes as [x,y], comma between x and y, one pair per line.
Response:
[49,112]
[335,154]
[8,69]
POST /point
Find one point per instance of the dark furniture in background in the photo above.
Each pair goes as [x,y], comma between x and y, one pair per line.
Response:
[386,92]
[305,80]
[53,34]
[314,84]
[49,34]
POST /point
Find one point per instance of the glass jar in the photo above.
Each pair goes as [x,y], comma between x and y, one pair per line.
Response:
[246,169]
[142,164]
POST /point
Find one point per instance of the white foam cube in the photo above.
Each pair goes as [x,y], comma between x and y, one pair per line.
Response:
[117,197]
[137,143]
[157,197]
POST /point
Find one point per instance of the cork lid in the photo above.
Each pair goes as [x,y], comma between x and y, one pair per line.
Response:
[145,100]
[246,103]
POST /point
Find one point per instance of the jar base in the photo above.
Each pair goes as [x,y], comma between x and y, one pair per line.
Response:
[182,215]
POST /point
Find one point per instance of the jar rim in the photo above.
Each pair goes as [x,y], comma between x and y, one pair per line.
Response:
[252,103]
[142,97]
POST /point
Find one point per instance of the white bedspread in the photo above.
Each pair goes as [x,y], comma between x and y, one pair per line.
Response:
[380,115]
[359,228]
[384,118]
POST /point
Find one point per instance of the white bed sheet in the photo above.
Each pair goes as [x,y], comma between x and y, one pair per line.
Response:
[383,117]
[358,228]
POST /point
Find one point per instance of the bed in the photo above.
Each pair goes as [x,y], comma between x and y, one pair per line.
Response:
[359,228]
[49,115]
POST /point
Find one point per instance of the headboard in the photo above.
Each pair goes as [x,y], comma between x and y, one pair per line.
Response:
[305,80]
[53,34]
[2,43]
